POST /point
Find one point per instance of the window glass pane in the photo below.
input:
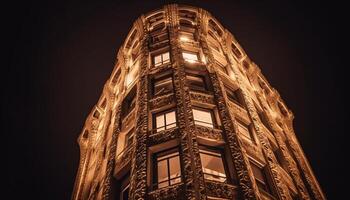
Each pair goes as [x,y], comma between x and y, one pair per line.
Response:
[174,164]
[170,118]
[126,193]
[243,129]
[202,118]
[191,57]
[196,82]
[213,167]
[258,172]
[157,60]
[162,170]
[160,122]
[163,86]
[166,57]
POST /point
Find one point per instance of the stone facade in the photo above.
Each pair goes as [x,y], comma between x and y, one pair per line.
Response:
[120,137]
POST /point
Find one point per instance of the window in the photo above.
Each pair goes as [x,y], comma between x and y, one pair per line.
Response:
[260,177]
[167,169]
[203,117]
[129,138]
[213,164]
[280,159]
[129,103]
[234,96]
[190,57]
[236,51]
[163,85]
[187,37]
[264,120]
[245,130]
[125,193]
[165,120]
[161,59]
[116,76]
[196,82]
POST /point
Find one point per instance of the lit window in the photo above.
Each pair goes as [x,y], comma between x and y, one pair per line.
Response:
[203,117]
[163,85]
[186,37]
[167,169]
[196,82]
[129,138]
[213,165]
[260,177]
[161,59]
[245,130]
[165,121]
[190,57]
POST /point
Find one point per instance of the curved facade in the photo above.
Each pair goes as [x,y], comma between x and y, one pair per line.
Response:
[187,115]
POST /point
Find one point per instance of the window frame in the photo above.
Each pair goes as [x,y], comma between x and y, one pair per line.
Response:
[154,119]
[220,151]
[211,111]
[162,62]
[202,77]
[165,153]
[191,53]
[131,135]
[249,127]
[160,78]
[268,188]
[238,95]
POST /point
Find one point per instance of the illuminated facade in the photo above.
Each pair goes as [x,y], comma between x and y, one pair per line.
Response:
[187,115]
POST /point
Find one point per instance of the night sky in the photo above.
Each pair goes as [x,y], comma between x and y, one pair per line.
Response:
[60,54]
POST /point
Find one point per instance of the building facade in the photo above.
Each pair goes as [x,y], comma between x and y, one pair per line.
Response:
[187,115]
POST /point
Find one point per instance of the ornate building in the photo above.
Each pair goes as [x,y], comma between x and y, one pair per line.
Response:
[187,115]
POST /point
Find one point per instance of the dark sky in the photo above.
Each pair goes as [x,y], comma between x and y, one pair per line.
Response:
[59,55]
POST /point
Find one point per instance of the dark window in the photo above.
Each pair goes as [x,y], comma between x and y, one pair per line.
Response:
[129,103]
[167,168]
[235,97]
[129,138]
[165,120]
[280,159]
[163,85]
[264,121]
[116,76]
[245,130]
[236,51]
[196,82]
[213,164]
[260,177]
[125,193]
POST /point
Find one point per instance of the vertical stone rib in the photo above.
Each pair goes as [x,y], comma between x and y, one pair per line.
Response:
[311,181]
[192,168]
[111,155]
